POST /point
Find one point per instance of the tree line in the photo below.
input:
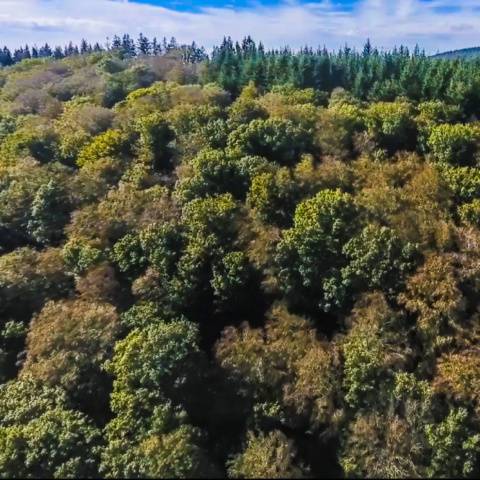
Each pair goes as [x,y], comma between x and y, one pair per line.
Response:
[369,74]
[125,45]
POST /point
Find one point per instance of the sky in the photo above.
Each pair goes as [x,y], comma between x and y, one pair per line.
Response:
[436,25]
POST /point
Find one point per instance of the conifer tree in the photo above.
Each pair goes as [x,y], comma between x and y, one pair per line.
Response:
[143,45]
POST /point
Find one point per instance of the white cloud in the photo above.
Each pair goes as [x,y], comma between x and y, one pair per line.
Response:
[433,24]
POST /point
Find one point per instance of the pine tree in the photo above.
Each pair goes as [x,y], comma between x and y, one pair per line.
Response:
[156,47]
[70,50]
[85,47]
[128,46]
[143,45]
[116,43]
[18,55]
[5,57]
[172,44]
[367,48]
[45,51]
[58,53]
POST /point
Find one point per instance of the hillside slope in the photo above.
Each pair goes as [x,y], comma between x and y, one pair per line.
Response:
[464,53]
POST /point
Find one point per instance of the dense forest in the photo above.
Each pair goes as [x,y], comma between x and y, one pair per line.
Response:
[249,264]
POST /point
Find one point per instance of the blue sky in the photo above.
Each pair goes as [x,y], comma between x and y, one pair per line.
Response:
[195,6]
[192,5]
[436,25]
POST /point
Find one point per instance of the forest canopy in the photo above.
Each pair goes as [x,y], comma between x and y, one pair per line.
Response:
[249,263]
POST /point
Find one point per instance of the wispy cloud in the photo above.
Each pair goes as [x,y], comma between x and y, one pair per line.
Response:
[434,24]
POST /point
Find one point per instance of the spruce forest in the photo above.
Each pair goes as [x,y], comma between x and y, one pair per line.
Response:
[245,263]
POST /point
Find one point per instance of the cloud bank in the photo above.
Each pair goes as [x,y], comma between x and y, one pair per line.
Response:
[436,25]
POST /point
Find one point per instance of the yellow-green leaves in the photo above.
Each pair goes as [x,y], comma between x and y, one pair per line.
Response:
[278,140]
[391,125]
[112,144]
[266,456]
[455,144]
[41,436]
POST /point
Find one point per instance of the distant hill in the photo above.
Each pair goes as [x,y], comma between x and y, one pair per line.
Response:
[465,53]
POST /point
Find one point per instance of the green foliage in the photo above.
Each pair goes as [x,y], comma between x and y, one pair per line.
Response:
[141,315]
[231,278]
[454,144]
[464,182]
[19,186]
[391,125]
[8,125]
[50,213]
[155,368]
[431,114]
[161,246]
[266,456]
[120,82]
[112,143]
[198,126]
[155,136]
[33,139]
[213,172]
[273,196]
[12,336]
[246,108]
[80,121]
[363,360]
[455,445]
[160,361]
[338,125]
[365,350]
[170,449]
[128,254]
[309,257]
[377,260]
[211,219]
[79,256]
[470,212]
[277,140]
[42,437]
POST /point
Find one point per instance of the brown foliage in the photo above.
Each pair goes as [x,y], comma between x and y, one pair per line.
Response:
[68,342]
